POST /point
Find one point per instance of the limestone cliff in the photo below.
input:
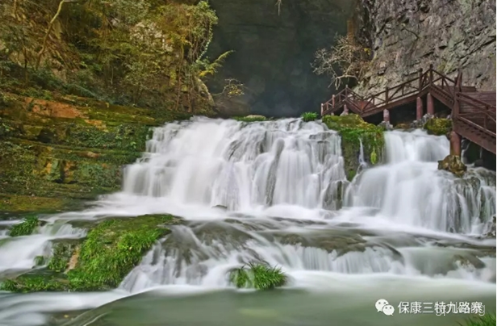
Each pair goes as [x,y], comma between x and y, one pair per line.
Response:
[450,34]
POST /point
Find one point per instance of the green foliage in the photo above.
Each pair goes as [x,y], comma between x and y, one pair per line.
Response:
[438,126]
[250,118]
[354,130]
[260,276]
[146,53]
[486,320]
[309,116]
[112,248]
[25,228]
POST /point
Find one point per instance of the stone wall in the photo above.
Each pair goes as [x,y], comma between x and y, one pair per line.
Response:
[450,34]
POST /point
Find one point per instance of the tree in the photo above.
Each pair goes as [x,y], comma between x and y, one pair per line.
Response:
[344,61]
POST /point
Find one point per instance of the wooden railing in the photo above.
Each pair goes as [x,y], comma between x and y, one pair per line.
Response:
[414,86]
[475,113]
[473,118]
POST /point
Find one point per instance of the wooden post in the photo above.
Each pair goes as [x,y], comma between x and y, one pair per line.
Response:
[455,109]
[322,109]
[420,79]
[345,110]
[386,95]
[431,73]
[333,101]
[419,108]
[386,116]
[430,106]
[455,144]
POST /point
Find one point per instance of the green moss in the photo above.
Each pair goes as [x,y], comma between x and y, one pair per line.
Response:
[19,203]
[112,248]
[438,127]
[250,118]
[486,320]
[25,228]
[354,130]
[260,276]
[34,283]
[309,116]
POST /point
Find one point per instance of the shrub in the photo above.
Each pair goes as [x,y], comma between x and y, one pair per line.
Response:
[260,276]
[309,116]
[25,228]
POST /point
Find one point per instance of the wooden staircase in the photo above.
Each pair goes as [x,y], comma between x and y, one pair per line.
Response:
[473,112]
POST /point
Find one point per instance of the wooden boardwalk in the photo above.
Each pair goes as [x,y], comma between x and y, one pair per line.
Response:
[473,112]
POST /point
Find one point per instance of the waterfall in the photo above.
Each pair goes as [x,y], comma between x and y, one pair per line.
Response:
[277,191]
[237,165]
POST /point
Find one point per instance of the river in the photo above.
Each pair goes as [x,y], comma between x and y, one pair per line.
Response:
[400,231]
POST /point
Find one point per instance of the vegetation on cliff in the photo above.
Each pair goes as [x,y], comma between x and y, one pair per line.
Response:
[99,262]
[354,132]
[82,82]
[129,52]
[260,276]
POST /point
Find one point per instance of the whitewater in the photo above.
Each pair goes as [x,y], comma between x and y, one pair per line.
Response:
[277,191]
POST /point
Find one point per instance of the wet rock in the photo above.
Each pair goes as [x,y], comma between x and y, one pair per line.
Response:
[385,125]
[490,233]
[421,122]
[453,164]
[334,193]
[339,241]
[403,126]
[469,261]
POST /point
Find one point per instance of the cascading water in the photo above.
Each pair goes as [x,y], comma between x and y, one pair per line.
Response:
[277,191]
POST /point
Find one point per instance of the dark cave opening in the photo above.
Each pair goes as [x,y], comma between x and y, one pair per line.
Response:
[273,52]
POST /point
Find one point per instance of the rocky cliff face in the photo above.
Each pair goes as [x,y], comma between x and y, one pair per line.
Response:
[274,50]
[59,152]
[450,34]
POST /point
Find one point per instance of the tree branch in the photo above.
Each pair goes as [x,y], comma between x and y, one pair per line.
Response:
[49,30]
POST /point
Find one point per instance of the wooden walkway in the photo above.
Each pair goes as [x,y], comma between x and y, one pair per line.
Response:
[473,112]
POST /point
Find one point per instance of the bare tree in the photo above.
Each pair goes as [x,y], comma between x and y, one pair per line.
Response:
[344,61]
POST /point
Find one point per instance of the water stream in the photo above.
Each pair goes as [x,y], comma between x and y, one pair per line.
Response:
[277,191]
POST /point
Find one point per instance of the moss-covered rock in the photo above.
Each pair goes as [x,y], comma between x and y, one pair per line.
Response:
[101,261]
[438,126]
[453,164]
[354,131]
